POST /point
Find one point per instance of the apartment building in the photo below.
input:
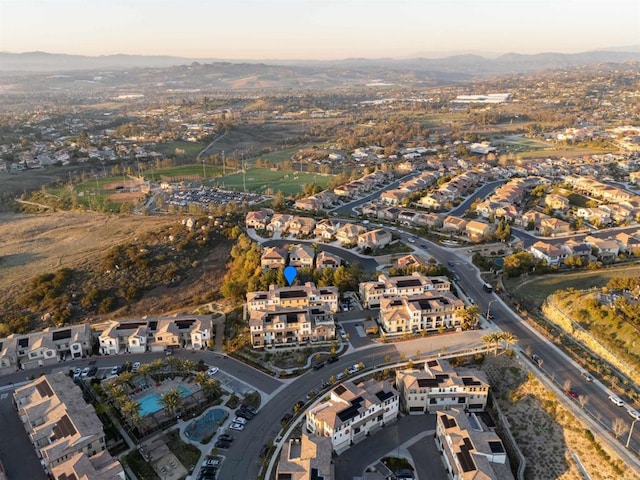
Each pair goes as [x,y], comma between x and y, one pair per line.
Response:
[437,386]
[470,450]
[63,427]
[276,326]
[353,411]
[428,311]
[47,347]
[154,335]
[306,458]
[372,292]
[297,296]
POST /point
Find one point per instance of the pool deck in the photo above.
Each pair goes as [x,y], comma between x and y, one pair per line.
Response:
[164,387]
[206,448]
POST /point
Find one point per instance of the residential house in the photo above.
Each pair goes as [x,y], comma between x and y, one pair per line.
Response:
[302,256]
[470,451]
[439,387]
[259,219]
[577,249]
[371,209]
[273,258]
[594,215]
[551,226]
[327,260]
[155,335]
[309,203]
[326,229]
[454,224]
[378,238]
[531,218]
[608,250]
[60,424]
[279,222]
[306,458]
[410,261]
[425,312]
[405,285]
[509,212]
[557,202]
[618,213]
[488,208]
[430,220]
[348,233]
[394,197]
[101,466]
[390,214]
[301,226]
[296,296]
[278,326]
[478,231]
[353,411]
[629,244]
[407,217]
[548,252]
[48,347]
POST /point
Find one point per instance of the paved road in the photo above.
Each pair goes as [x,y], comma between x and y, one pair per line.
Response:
[482,192]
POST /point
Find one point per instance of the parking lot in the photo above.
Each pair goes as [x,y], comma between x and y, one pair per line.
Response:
[206,195]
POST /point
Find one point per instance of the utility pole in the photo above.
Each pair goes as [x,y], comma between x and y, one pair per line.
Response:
[244,176]
[630,432]
[223,169]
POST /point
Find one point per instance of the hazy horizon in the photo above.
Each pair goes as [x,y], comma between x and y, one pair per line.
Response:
[315,29]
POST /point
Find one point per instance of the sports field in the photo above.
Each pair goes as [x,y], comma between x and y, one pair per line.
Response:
[260,179]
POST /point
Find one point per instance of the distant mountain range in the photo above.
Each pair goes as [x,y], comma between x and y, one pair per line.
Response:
[466,65]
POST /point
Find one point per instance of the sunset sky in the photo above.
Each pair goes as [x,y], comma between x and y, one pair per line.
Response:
[315,29]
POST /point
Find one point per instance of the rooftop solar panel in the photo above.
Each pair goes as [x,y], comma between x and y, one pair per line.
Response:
[61,334]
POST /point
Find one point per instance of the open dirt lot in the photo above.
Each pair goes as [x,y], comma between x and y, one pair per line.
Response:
[35,244]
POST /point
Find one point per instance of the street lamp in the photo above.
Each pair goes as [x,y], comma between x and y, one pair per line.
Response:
[489,308]
[630,432]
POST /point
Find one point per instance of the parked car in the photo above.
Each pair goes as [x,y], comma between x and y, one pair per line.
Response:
[286,418]
[92,371]
[212,371]
[244,414]
[353,369]
[332,359]
[240,420]
[587,376]
[249,408]
[115,371]
[343,335]
[339,375]
[135,367]
[318,366]
[536,359]
[236,426]
[208,473]
[85,372]
[76,373]
[298,405]
[225,437]
[223,444]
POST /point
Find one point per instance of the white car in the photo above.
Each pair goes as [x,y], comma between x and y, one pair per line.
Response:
[617,401]
[236,426]
[239,420]
[85,372]
[135,367]
[343,335]
[587,376]
[76,373]
[212,371]
[353,369]
[114,371]
[634,414]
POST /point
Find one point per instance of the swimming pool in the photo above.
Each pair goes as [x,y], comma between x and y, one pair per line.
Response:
[206,425]
[151,403]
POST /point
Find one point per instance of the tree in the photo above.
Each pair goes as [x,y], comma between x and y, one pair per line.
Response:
[619,427]
[387,358]
[131,410]
[508,338]
[171,400]
[583,400]
[567,385]
[470,316]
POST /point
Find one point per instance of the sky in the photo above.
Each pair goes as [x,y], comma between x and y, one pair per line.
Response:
[315,29]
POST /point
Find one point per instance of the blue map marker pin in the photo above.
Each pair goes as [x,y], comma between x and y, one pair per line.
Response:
[290,274]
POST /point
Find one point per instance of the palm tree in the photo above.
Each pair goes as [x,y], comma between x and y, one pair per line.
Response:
[487,339]
[492,339]
[209,386]
[171,400]
[508,338]
[131,410]
[470,316]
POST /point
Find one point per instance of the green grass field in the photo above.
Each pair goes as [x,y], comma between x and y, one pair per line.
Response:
[283,155]
[187,170]
[260,179]
[537,290]
[191,149]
